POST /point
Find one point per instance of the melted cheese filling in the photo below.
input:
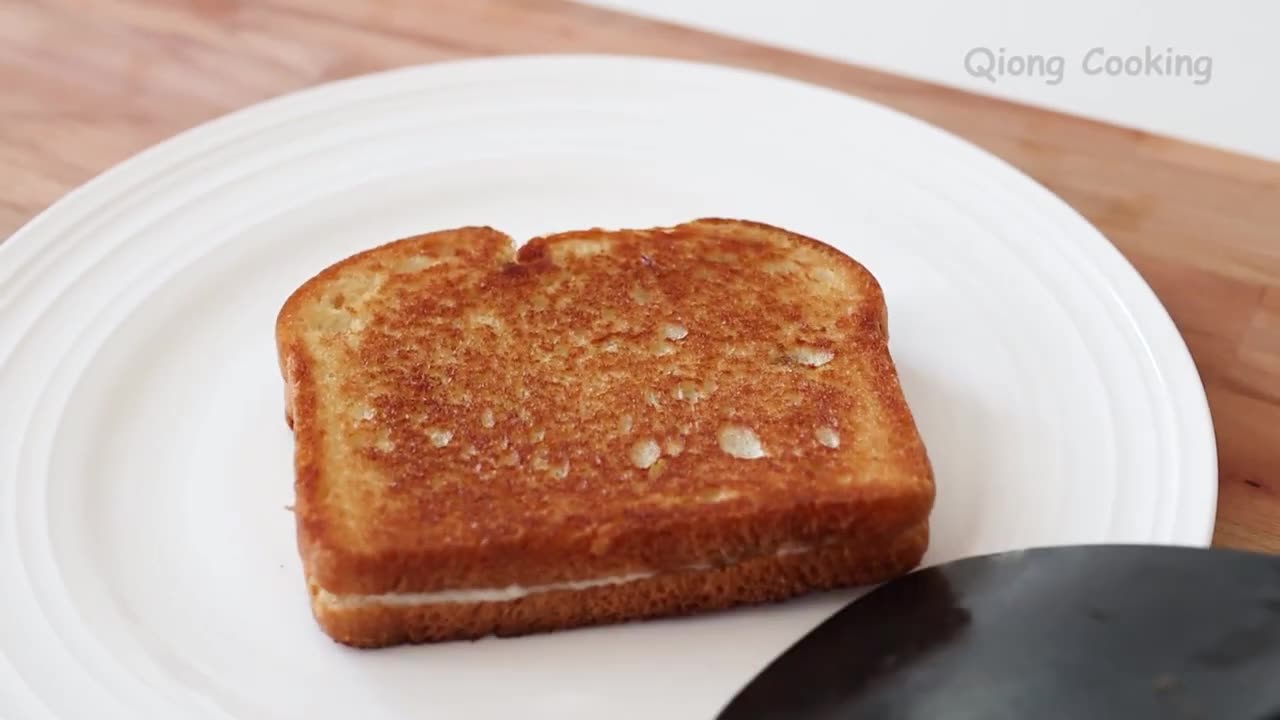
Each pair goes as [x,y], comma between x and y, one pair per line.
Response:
[508,593]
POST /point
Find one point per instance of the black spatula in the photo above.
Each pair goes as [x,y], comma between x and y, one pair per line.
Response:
[1084,632]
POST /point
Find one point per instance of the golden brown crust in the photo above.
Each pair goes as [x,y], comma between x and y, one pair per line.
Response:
[757,581]
[454,332]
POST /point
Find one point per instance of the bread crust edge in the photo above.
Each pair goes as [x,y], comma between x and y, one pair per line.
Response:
[754,582]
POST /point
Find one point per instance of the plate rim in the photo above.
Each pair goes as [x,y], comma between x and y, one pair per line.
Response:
[1179,382]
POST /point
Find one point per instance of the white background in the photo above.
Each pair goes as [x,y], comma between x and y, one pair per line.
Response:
[1237,109]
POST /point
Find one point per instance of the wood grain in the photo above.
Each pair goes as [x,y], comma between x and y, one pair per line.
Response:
[88,84]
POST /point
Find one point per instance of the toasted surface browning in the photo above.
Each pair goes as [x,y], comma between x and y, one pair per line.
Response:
[598,402]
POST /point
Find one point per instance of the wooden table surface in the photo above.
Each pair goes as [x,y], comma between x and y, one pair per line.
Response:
[87,84]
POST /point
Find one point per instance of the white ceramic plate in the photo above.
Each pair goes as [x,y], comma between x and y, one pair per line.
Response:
[146,557]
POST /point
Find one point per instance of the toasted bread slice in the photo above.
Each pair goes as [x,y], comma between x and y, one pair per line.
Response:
[602,425]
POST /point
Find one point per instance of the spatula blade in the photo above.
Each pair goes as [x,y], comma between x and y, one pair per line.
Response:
[1078,632]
